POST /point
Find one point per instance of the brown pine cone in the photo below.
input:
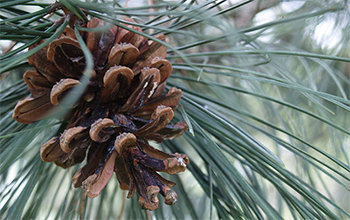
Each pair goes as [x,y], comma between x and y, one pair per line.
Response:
[122,108]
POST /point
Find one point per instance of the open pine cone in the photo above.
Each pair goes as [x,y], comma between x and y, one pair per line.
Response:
[122,108]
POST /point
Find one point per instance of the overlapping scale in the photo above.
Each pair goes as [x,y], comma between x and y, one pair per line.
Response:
[122,108]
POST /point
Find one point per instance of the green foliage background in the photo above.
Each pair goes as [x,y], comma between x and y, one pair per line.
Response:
[267,105]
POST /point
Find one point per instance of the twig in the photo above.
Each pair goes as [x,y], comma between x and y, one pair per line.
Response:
[5,51]
[151,2]
[126,4]
[123,206]
[149,216]
[9,48]
[82,204]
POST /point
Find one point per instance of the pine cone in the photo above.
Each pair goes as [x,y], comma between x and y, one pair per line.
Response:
[122,108]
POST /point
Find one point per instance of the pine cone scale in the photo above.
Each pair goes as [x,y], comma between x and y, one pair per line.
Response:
[121,109]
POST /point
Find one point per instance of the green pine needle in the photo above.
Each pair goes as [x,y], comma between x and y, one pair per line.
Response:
[267,107]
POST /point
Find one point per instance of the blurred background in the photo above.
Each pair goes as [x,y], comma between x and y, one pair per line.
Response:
[265,94]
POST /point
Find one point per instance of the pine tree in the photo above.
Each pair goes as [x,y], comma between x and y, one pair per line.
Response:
[263,115]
